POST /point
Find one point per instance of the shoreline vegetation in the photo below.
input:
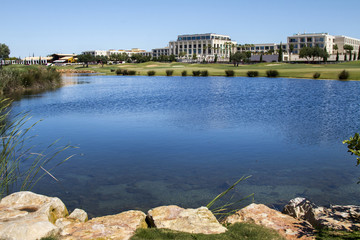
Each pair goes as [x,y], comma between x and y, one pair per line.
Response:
[24,78]
[285,70]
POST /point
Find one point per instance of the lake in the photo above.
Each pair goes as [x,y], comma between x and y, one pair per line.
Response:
[150,141]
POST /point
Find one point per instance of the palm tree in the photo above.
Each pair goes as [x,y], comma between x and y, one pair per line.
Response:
[335,47]
[348,48]
[291,49]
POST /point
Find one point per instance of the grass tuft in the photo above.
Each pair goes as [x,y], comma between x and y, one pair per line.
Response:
[230,73]
[344,75]
[272,73]
[151,73]
[235,231]
[252,73]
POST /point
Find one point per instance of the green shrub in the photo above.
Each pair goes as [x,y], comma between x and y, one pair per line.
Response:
[184,73]
[151,73]
[316,75]
[204,73]
[125,72]
[230,73]
[112,70]
[196,73]
[119,71]
[344,75]
[169,72]
[252,73]
[131,72]
[272,73]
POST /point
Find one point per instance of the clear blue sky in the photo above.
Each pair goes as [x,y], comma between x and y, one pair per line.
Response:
[45,27]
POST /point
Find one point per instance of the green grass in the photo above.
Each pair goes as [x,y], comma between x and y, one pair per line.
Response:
[337,235]
[235,231]
[328,71]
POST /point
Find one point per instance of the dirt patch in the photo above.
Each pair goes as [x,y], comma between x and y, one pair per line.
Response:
[154,65]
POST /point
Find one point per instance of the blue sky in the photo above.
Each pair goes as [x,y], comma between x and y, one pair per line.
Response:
[44,27]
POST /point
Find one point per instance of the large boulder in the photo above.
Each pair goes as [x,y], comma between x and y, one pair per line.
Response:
[121,226]
[27,216]
[287,226]
[335,217]
[200,220]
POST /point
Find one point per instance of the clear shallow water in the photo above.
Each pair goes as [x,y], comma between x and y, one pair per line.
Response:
[149,141]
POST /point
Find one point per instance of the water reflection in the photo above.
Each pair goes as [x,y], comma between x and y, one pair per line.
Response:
[182,140]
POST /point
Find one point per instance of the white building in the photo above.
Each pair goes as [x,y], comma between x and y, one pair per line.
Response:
[157,52]
[203,46]
[36,60]
[322,40]
[96,53]
[340,41]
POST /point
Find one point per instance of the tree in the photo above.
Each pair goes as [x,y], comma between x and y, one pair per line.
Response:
[102,60]
[194,57]
[216,57]
[4,52]
[348,48]
[85,59]
[182,54]
[291,49]
[172,58]
[280,58]
[335,47]
[236,58]
[324,54]
[305,52]
[358,58]
[261,58]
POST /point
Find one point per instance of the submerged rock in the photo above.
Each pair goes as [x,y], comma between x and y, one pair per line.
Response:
[287,226]
[200,220]
[26,216]
[121,226]
[336,217]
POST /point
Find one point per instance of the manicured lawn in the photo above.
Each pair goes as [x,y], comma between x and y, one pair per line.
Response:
[235,231]
[328,71]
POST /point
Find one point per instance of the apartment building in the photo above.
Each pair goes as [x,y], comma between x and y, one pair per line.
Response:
[262,48]
[157,52]
[340,41]
[107,53]
[203,46]
[321,40]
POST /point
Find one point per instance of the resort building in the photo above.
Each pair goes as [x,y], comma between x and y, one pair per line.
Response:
[37,60]
[157,52]
[206,47]
[107,53]
[96,53]
[340,41]
[322,40]
[262,48]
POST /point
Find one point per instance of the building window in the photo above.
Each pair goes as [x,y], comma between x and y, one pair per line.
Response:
[199,51]
[189,51]
[199,46]
[293,40]
[309,39]
[194,46]
[302,39]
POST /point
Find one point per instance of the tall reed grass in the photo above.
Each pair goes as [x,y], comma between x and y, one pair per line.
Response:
[12,80]
[21,167]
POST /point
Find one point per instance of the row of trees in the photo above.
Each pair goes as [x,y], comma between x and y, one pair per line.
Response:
[314,52]
[123,57]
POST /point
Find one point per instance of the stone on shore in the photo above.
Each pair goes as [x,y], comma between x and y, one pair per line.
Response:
[79,214]
[336,217]
[200,220]
[27,216]
[121,226]
[288,227]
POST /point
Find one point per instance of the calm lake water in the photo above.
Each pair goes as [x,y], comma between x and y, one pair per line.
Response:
[150,141]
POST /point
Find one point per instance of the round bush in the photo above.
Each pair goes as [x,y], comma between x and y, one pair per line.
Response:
[272,73]
[151,73]
[229,73]
[252,73]
[316,75]
[184,73]
[344,75]
[169,72]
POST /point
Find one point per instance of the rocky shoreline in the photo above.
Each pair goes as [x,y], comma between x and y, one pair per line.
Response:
[29,216]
